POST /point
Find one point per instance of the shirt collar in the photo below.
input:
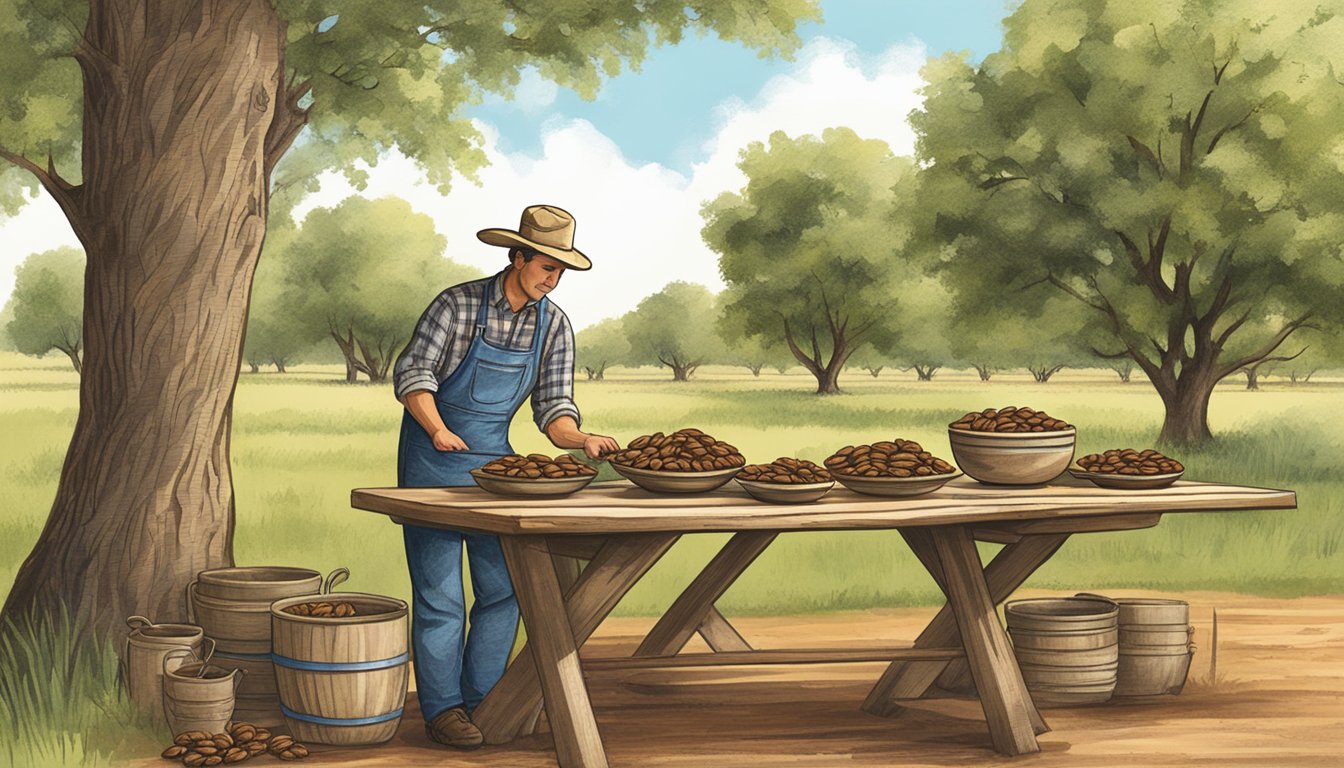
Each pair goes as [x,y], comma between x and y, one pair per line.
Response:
[501,301]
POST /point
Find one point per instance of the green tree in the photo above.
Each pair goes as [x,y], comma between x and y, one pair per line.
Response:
[808,249]
[360,273]
[1159,164]
[675,327]
[925,321]
[870,360]
[601,345]
[158,127]
[753,352]
[275,335]
[47,305]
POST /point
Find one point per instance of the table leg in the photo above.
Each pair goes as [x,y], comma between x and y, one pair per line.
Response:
[567,570]
[1003,694]
[691,609]
[512,707]
[577,741]
[719,634]
[1004,574]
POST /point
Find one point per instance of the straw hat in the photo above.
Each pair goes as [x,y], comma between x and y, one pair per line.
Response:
[545,229]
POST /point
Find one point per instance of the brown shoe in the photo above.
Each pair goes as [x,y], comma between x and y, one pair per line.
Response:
[454,728]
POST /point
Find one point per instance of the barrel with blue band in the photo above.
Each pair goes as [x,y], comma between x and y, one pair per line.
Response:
[339,666]
[340,720]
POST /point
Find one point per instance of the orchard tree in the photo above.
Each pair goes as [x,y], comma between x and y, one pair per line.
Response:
[157,126]
[675,328]
[926,335]
[47,305]
[275,335]
[601,345]
[870,360]
[1163,165]
[808,249]
[753,352]
[360,274]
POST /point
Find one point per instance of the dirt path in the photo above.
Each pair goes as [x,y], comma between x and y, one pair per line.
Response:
[1278,701]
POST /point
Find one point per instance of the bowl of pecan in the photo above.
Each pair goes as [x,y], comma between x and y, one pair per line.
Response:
[1011,445]
[535,474]
[786,481]
[890,468]
[1128,468]
[686,461]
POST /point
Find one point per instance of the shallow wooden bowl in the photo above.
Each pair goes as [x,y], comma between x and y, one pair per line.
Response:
[521,486]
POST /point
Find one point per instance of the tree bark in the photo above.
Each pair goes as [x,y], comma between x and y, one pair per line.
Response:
[1124,372]
[925,372]
[874,370]
[255,368]
[279,364]
[1186,419]
[1252,378]
[1043,374]
[180,105]
[985,372]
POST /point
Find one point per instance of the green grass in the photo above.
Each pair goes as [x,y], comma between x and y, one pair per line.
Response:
[302,440]
[60,700]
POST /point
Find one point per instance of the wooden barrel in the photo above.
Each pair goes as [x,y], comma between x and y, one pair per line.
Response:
[1155,646]
[1066,648]
[142,659]
[342,680]
[233,606]
[196,699]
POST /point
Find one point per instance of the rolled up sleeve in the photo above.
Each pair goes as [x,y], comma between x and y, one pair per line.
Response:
[553,396]
[418,365]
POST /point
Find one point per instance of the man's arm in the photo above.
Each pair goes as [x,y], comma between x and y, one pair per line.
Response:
[564,432]
[421,404]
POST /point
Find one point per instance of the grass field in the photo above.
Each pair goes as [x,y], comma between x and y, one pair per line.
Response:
[302,440]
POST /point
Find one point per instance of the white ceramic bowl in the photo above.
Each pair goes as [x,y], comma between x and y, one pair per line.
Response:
[786,493]
[1013,458]
[895,486]
[660,481]
[522,486]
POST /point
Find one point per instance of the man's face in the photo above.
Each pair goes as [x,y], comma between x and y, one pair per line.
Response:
[540,275]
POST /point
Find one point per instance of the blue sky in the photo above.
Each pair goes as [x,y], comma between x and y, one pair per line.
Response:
[635,165]
[662,113]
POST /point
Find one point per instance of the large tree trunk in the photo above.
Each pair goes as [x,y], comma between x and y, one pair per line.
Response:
[1186,402]
[1252,377]
[178,102]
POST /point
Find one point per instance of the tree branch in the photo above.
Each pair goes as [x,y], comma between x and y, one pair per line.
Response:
[1268,348]
[66,194]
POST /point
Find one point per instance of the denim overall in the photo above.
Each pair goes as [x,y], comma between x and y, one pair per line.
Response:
[477,402]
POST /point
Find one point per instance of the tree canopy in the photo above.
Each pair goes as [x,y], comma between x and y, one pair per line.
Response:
[47,306]
[808,249]
[360,274]
[675,328]
[1159,164]
[601,345]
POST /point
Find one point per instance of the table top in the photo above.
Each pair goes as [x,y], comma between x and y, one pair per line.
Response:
[620,507]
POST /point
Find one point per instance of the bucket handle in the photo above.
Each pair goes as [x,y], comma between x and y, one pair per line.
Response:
[210,653]
[191,604]
[338,576]
[238,675]
[177,653]
[138,622]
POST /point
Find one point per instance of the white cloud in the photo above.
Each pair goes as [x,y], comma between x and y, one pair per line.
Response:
[40,226]
[640,224]
[533,93]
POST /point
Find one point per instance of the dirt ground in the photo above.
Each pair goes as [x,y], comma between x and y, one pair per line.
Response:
[1277,700]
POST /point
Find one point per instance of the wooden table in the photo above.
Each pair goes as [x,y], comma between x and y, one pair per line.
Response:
[621,531]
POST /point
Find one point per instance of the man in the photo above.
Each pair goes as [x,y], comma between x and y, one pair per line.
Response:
[479,350]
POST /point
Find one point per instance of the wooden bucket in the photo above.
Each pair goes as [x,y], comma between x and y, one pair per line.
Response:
[258,697]
[233,605]
[197,703]
[1155,646]
[142,658]
[342,680]
[1066,648]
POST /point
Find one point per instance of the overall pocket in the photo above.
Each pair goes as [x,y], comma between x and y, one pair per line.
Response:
[492,383]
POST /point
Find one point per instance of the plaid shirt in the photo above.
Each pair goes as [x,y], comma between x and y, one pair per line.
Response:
[444,334]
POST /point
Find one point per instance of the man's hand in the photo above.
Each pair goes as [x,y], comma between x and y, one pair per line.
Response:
[597,446]
[446,440]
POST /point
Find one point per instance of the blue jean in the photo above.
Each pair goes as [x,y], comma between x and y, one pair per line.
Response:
[449,673]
